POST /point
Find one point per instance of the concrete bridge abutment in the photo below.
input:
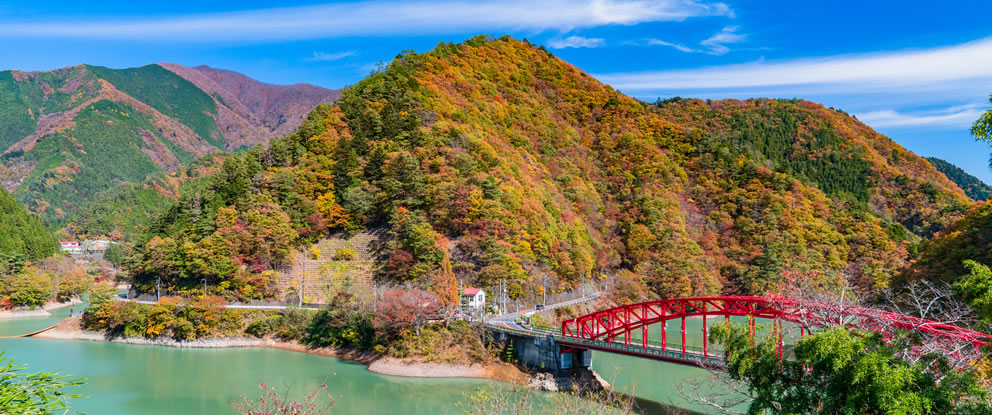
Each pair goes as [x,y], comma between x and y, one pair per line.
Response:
[544,353]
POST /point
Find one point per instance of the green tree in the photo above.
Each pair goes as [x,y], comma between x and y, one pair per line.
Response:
[29,289]
[837,371]
[114,254]
[982,128]
[976,288]
[101,293]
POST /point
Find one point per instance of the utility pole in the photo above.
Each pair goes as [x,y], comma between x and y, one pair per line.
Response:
[545,291]
[504,296]
[204,288]
[300,285]
[158,289]
[303,276]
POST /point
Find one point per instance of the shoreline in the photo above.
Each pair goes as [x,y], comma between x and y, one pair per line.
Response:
[69,329]
[43,311]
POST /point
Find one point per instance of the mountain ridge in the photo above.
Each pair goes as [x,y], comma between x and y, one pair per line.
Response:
[974,187]
[76,131]
[494,160]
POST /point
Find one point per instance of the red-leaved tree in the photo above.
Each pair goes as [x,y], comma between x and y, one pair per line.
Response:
[406,309]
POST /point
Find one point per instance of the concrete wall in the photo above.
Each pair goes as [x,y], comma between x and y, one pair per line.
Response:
[544,353]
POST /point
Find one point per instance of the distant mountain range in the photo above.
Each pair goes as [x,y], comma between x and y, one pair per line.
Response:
[74,132]
[974,187]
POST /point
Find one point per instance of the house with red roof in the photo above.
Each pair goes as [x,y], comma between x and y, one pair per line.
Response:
[473,298]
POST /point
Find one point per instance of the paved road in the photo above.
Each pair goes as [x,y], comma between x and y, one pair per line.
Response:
[503,319]
[509,320]
[239,306]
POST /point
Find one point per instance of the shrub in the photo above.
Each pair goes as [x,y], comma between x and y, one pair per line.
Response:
[345,254]
[183,330]
[336,328]
[263,326]
[293,324]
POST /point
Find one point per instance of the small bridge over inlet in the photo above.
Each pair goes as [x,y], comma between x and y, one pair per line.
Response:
[642,330]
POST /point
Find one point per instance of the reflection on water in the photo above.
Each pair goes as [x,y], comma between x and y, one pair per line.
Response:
[128,379]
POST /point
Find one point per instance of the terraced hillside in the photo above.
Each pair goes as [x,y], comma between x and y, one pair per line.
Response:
[344,264]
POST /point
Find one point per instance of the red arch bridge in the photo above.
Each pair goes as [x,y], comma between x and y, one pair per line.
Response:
[642,329]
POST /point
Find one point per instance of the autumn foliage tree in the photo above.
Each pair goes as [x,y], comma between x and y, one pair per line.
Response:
[406,309]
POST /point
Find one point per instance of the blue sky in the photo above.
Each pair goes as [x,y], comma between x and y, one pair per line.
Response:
[919,72]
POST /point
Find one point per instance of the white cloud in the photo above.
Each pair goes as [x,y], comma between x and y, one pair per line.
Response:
[326,57]
[373,19]
[958,116]
[681,48]
[894,71]
[718,42]
[576,42]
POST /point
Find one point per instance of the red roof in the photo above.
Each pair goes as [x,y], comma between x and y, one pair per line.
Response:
[471,291]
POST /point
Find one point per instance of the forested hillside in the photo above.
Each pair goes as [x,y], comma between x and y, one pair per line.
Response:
[494,160]
[974,187]
[22,234]
[968,239]
[125,211]
[73,133]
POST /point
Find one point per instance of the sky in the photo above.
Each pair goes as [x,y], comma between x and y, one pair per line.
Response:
[919,72]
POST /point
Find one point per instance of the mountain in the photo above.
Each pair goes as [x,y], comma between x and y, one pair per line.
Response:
[974,187]
[494,161]
[124,211]
[21,233]
[74,132]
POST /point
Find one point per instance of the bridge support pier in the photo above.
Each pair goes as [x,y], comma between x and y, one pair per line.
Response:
[544,353]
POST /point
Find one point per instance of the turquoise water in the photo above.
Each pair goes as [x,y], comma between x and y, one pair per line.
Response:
[18,326]
[129,379]
[132,379]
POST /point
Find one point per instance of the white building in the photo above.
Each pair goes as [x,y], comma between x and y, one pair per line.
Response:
[473,298]
[71,247]
[99,245]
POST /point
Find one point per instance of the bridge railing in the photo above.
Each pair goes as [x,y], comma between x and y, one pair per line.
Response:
[692,354]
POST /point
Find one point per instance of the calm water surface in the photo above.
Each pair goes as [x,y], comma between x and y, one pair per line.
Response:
[131,379]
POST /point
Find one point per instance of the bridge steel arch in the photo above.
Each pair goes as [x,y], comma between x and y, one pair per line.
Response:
[608,325]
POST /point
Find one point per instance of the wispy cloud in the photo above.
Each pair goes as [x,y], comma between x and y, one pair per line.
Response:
[681,48]
[958,116]
[327,57]
[372,18]
[894,71]
[576,42]
[718,42]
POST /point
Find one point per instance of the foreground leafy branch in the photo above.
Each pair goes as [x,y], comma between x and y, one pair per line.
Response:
[29,394]
[840,371]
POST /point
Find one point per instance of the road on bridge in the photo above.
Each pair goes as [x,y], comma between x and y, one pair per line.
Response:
[509,320]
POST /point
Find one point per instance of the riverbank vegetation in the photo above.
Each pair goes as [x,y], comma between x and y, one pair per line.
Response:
[344,325]
[34,284]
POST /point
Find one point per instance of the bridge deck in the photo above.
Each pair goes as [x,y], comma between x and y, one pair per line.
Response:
[693,356]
